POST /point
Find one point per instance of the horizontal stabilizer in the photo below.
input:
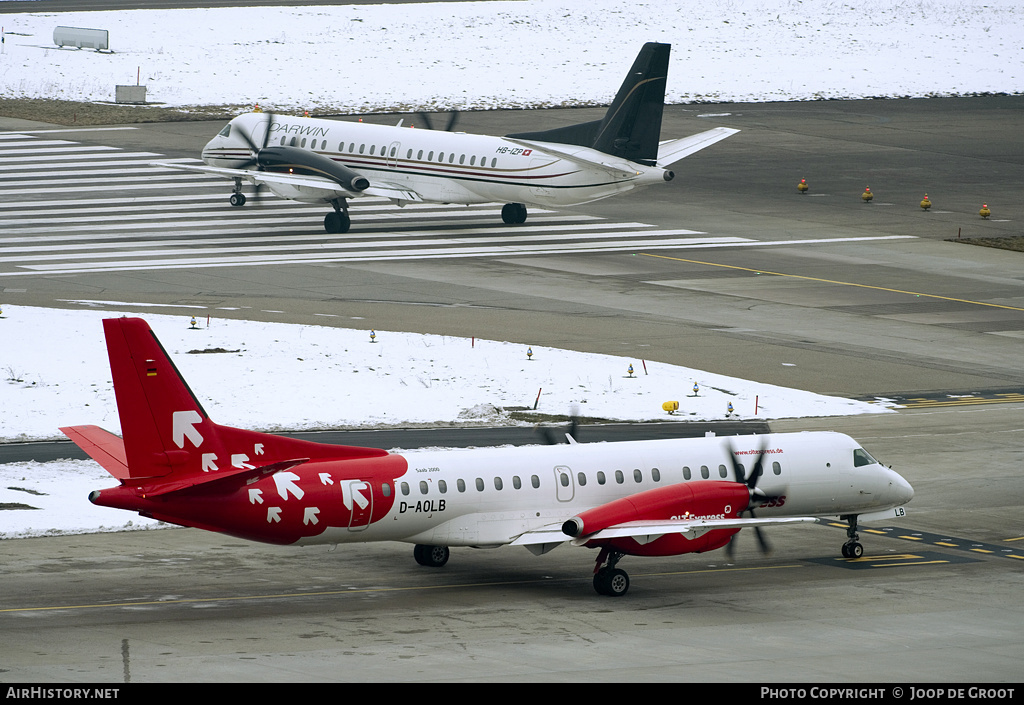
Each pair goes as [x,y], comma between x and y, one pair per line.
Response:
[102,446]
[671,151]
[222,482]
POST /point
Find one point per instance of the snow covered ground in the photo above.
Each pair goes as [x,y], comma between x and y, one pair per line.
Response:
[528,53]
[273,376]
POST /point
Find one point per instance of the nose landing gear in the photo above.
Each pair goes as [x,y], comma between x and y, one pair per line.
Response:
[852,547]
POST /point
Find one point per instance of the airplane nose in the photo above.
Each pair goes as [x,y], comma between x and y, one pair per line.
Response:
[901,489]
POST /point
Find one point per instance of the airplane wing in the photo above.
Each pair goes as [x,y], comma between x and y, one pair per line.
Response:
[647,531]
[268,178]
[398,194]
[671,151]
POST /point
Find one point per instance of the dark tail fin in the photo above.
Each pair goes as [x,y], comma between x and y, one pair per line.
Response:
[632,126]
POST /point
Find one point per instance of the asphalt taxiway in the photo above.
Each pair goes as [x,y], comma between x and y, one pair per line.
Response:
[825,293]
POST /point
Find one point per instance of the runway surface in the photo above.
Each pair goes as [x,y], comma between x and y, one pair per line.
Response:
[744,277]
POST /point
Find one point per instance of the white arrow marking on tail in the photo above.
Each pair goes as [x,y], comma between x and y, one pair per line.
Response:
[255,496]
[351,490]
[310,516]
[209,462]
[285,482]
[240,460]
[183,425]
[325,478]
[258,449]
[273,515]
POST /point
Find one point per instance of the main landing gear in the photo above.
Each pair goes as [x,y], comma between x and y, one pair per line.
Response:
[237,197]
[338,221]
[609,580]
[852,547]
[431,556]
[513,213]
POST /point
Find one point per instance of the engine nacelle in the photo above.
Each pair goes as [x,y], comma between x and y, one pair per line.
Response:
[300,161]
[714,499]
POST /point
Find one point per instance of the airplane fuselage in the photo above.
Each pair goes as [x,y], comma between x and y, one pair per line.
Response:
[489,497]
[440,167]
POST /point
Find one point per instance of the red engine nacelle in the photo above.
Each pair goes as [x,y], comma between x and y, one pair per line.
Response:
[716,499]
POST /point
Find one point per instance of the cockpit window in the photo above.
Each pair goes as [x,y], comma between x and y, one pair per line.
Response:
[861,457]
[226,131]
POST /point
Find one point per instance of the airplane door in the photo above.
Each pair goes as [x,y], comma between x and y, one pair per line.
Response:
[564,486]
[358,498]
[392,157]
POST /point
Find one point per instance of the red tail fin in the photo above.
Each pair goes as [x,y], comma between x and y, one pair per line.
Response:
[170,442]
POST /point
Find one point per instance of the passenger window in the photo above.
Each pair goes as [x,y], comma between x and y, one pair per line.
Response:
[451,158]
[535,481]
[686,472]
[656,474]
[430,157]
[461,484]
[704,472]
[494,162]
[619,477]
[498,483]
[462,159]
[385,489]
[776,468]
[405,488]
[394,150]
[303,142]
[600,477]
[442,486]
[472,160]
[516,482]
[440,157]
[341,146]
[582,479]
[563,479]
[479,485]
[419,154]
[423,486]
[352,147]
[361,148]
[283,138]
[638,476]
[293,142]
[372,147]
[722,472]
[408,155]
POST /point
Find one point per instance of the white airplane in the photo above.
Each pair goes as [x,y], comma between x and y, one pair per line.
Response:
[639,498]
[329,161]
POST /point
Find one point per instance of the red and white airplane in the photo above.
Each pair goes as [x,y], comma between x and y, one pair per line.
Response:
[638,498]
[328,161]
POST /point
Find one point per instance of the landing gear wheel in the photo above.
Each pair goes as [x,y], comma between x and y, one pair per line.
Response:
[613,582]
[237,199]
[431,556]
[852,550]
[513,213]
[337,223]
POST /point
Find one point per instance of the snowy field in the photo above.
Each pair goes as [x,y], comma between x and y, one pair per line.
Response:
[279,376]
[529,53]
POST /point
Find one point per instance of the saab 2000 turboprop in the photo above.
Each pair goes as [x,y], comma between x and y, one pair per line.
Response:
[328,161]
[637,498]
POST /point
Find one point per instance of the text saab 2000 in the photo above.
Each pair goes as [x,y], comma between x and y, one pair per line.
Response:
[328,161]
[636,498]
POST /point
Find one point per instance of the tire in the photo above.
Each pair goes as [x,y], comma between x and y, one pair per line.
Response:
[431,556]
[337,223]
[513,213]
[237,199]
[614,582]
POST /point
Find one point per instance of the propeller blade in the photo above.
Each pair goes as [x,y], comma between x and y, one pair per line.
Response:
[425,117]
[452,121]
